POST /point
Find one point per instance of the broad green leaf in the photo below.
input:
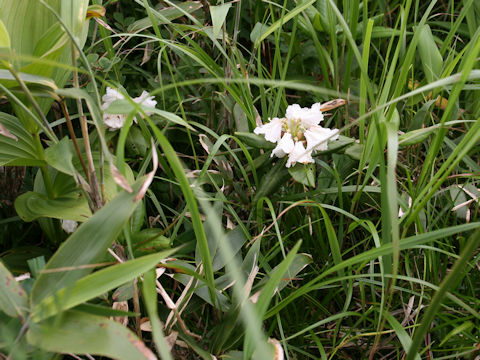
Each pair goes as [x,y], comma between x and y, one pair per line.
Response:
[299,262]
[33,27]
[96,284]
[41,82]
[432,60]
[59,156]
[148,240]
[355,151]
[87,245]
[258,30]
[236,238]
[303,173]
[4,37]
[13,299]
[19,152]
[82,333]
[416,136]
[32,205]
[271,181]
[241,118]
[219,14]
[53,40]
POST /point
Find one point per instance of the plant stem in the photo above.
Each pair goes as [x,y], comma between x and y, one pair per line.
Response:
[91,174]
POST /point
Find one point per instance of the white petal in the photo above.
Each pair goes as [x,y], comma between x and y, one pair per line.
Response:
[146,100]
[110,96]
[272,130]
[317,137]
[69,226]
[308,116]
[284,146]
[293,111]
[299,154]
[114,121]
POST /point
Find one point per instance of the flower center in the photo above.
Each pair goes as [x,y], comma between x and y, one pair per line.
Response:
[295,128]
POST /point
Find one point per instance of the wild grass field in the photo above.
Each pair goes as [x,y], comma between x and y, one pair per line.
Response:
[245,179]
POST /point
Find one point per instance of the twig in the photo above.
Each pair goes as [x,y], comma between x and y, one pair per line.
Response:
[91,175]
[72,135]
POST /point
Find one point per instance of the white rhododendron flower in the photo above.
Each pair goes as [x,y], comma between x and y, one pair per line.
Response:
[298,134]
[299,154]
[69,226]
[146,100]
[116,121]
[284,146]
[307,116]
[272,130]
[317,137]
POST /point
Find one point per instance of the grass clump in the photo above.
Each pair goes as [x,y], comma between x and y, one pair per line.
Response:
[364,247]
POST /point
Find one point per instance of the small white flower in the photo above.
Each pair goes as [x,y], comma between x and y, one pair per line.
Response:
[69,226]
[299,154]
[272,130]
[307,116]
[317,137]
[146,100]
[284,146]
[110,96]
[116,121]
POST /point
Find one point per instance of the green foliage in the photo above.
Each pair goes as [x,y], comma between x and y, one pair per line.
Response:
[368,251]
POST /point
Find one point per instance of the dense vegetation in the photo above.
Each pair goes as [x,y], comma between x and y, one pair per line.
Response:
[143,216]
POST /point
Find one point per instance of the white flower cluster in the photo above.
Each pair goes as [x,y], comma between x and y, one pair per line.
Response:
[116,121]
[298,134]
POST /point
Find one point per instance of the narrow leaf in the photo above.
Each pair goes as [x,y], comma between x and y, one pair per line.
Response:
[96,284]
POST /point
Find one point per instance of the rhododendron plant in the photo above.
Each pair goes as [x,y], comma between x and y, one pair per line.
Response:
[298,134]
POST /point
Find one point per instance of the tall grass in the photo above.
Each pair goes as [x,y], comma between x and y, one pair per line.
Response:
[377,259]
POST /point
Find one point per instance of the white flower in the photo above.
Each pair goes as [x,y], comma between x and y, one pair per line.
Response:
[307,116]
[146,100]
[317,137]
[284,146]
[299,154]
[272,130]
[110,96]
[69,226]
[298,134]
[116,121]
